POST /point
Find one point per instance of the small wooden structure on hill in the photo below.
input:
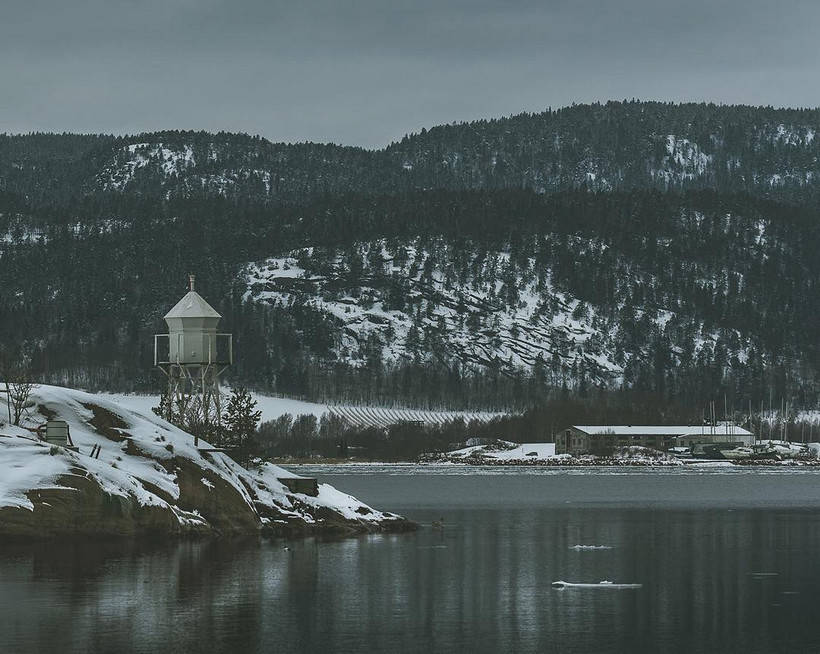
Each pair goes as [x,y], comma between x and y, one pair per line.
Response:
[57,432]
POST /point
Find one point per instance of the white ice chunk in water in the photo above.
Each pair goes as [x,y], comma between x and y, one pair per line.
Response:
[590,548]
[601,584]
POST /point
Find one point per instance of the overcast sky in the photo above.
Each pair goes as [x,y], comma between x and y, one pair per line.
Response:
[369,71]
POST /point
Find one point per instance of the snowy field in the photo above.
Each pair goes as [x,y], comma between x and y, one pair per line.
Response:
[271,407]
[275,407]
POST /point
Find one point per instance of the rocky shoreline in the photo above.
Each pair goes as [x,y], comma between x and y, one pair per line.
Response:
[596,462]
[77,506]
[150,480]
[559,463]
[503,453]
[607,462]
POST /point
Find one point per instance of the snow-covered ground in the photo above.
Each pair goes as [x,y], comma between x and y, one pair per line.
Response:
[519,451]
[141,404]
[275,407]
[271,407]
[142,459]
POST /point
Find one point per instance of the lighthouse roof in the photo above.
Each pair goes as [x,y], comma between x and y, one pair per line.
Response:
[192,305]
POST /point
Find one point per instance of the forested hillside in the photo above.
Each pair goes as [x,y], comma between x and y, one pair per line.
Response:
[668,249]
[765,151]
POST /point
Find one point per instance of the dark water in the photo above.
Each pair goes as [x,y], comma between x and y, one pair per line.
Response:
[728,563]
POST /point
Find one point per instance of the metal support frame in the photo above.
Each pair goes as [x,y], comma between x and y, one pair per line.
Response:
[189,381]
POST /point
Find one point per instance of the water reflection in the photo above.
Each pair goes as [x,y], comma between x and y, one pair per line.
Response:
[483,584]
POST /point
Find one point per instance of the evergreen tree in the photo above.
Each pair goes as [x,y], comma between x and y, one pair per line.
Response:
[239,423]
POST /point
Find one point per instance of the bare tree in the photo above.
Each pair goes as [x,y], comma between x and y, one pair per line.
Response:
[192,417]
[18,386]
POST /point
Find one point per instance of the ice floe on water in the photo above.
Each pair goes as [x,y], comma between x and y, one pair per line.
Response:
[590,548]
[606,585]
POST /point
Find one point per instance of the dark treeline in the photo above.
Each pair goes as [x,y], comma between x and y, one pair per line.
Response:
[85,298]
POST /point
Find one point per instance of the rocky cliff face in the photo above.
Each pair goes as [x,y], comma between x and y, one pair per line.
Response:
[149,479]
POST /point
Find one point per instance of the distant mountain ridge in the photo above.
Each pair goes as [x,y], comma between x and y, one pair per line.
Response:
[615,146]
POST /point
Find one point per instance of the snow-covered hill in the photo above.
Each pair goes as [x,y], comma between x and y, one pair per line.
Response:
[178,167]
[477,326]
[424,300]
[149,478]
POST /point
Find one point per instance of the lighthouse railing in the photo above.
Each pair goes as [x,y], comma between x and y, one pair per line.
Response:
[218,350]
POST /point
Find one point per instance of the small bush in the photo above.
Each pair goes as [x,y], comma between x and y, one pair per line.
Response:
[602,446]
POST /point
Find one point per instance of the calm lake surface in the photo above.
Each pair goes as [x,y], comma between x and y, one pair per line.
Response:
[728,560]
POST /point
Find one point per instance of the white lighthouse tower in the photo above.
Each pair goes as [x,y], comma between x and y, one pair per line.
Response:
[193,358]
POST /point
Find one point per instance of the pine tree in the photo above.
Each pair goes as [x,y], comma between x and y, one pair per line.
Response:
[239,423]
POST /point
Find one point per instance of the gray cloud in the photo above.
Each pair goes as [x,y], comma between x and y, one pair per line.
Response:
[368,71]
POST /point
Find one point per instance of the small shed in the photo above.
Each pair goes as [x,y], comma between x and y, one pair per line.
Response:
[58,433]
